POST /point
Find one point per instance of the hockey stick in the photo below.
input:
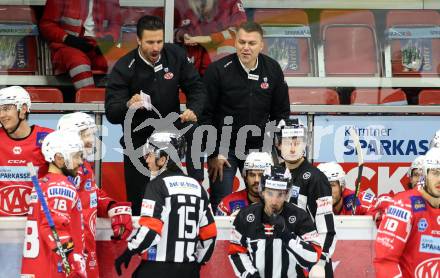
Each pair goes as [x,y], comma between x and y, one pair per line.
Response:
[49,217]
[360,156]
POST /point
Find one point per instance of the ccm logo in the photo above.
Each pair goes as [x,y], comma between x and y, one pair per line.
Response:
[13,161]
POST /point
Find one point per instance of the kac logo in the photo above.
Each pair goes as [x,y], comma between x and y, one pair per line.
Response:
[250,218]
[17,150]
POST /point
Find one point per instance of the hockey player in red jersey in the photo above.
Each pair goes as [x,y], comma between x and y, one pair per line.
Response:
[95,201]
[41,258]
[408,239]
[177,229]
[253,169]
[21,144]
[342,196]
[383,201]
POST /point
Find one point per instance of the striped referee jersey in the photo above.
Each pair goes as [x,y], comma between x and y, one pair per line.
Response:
[256,247]
[176,223]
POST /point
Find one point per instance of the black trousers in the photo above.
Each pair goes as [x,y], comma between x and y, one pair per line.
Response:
[170,270]
[135,184]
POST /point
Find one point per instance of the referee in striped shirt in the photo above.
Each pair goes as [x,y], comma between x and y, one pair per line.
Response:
[270,238]
[177,230]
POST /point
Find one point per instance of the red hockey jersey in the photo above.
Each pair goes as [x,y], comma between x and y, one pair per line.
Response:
[380,206]
[95,203]
[364,202]
[408,239]
[232,203]
[15,181]
[39,257]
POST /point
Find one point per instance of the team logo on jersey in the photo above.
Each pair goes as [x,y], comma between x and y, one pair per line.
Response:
[17,150]
[13,199]
[264,85]
[428,268]
[292,219]
[250,218]
[306,175]
[417,203]
[429,244]
[422,225]
[40,137]
[168,74]
[438,219]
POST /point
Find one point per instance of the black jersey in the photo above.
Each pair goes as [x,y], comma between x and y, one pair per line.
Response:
[176,221]
[253,98]
[253,247]
[311,191]
[171,72]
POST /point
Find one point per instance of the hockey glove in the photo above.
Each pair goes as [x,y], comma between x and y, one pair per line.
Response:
[120,214]
[78,43]
[280,228]
[124,258]
[78,266]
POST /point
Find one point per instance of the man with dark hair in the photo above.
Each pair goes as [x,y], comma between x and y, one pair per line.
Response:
[248,87]
[148,79]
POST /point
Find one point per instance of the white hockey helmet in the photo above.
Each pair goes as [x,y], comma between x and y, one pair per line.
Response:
[16,95]
[165,143]
[292,128]
[76,122]
[435,141]
[257,161]
[416,164]
[64,143]
[334,172]
[276,177]
[432,160]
